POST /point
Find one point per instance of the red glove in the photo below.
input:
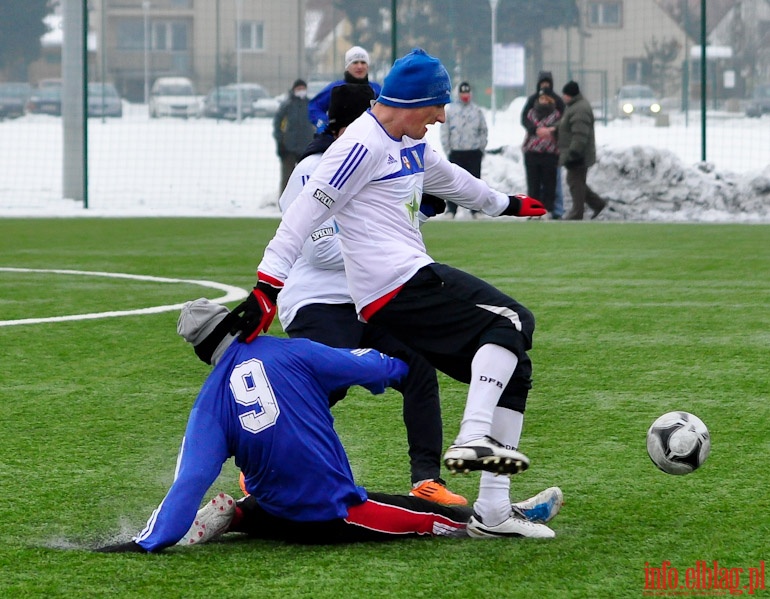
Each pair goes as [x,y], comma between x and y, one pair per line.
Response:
[523,205]
[257,311]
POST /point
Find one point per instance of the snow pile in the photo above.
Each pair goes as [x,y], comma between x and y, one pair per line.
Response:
[645,183]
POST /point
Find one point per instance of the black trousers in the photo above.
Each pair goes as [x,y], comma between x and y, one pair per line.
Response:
[383,517]
[542,171]
[337,325]
[446,315]
[470,160]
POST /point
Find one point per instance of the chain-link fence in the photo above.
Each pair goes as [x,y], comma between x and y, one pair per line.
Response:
[641,63]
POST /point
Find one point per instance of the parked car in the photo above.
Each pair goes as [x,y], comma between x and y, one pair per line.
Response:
[45,100]
[636,99]
[262,103]
[51,82]
[13,99]
[222,103]
[760,101]
[313,87]
[174,96]
[103,100]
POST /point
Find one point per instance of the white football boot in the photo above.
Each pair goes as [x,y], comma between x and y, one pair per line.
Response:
[516,525]
[212,520]
[485,454]
[543,507]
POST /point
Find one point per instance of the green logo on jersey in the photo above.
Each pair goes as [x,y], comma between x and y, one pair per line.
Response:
[413,207]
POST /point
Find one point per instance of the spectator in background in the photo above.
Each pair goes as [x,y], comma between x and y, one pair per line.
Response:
[464,136]
[577,151]
[291,129]
[356,71]
[541,153]
[545,84]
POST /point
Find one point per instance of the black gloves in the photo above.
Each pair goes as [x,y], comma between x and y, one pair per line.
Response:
[432,205]
[130,547]
[523,205]
[256,312]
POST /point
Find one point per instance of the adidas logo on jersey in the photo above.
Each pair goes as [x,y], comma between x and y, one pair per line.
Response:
[391,160]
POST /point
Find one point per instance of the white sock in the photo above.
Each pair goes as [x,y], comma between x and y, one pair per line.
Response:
[494,502]
[491,369]
[506,427]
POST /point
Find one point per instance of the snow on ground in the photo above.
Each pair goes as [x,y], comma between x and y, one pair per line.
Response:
[166,167]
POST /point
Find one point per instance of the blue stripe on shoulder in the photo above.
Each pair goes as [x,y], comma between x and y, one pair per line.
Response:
[348,166]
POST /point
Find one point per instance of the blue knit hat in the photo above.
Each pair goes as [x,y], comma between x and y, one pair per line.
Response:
[417,79]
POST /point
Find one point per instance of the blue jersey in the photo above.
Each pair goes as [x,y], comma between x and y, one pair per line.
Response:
[266,404]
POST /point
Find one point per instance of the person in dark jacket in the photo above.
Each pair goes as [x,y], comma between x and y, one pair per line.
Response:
[545,85]
[577,151]
[291,129]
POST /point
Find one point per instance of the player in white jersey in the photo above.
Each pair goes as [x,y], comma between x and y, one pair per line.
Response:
[371,180]
[315,304]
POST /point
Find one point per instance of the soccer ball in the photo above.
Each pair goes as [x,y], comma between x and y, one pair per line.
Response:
[678,442]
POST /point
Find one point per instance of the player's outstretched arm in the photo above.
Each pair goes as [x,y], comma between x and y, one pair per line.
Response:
[255,314]
[374,371]
[523,205]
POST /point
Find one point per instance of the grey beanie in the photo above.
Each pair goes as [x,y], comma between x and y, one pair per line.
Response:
[205,325]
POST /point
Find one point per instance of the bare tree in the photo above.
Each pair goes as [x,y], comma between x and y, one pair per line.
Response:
[663,56]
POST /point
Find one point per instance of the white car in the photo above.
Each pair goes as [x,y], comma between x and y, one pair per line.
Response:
[636,99]
[174,96]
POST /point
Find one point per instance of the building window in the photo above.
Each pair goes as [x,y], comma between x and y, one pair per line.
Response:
[252,35]
[169,36]
[636,70]
[130,34]
[605,14]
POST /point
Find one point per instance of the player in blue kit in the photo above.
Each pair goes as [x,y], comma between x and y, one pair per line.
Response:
[267,404]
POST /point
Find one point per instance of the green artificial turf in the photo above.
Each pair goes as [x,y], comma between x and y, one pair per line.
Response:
[633,320]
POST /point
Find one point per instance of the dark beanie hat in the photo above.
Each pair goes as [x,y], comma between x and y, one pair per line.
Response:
[544,76]
[299,83]
[571,88]
[464,88]
[347,103]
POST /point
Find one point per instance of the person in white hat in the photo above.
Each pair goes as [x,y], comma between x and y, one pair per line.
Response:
[356,71]
[372,180]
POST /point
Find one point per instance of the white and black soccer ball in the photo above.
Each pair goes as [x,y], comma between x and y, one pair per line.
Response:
[678,442]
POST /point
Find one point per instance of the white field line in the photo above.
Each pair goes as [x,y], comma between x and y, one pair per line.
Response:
[231,294]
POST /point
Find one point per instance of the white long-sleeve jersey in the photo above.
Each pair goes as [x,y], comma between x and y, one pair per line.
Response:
[372,184]
[318,276]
